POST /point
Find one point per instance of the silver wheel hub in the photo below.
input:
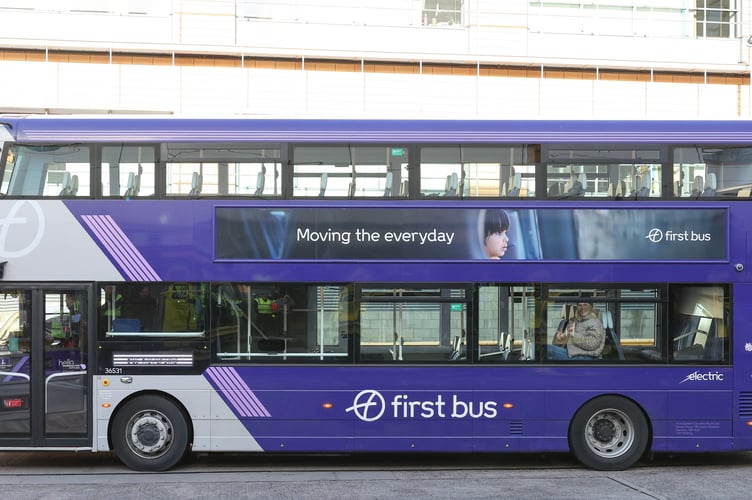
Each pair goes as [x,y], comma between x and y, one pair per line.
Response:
[150,433]
[609,433]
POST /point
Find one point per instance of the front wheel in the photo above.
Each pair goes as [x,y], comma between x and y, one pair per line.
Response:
[608,433]
[150,433]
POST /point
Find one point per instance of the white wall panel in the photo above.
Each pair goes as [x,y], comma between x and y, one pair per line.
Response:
[276,92]
[501,98]
[393,95]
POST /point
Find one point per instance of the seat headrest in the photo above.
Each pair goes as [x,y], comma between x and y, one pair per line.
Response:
[711,181]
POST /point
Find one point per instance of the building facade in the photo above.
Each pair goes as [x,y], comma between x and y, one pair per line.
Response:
[481,59]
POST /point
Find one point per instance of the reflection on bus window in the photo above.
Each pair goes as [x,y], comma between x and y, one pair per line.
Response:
[699,324]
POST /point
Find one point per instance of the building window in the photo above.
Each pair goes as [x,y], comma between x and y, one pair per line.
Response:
[442,12]
[716,18]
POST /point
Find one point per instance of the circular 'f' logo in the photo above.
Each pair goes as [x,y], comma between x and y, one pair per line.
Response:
[655,235]
[368,405]
[21,229]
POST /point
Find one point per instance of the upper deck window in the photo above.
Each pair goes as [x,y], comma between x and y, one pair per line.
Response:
[47,170]
[223,170]
[712,171]
[597,172]
[128,171]
[478,171]
[350,171]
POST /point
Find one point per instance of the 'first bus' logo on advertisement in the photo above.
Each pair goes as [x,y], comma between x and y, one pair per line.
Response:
[657,235]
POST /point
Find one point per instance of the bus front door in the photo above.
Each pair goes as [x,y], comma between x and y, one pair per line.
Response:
[44,393]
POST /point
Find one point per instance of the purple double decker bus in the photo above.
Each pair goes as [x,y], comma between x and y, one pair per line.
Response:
[180,285]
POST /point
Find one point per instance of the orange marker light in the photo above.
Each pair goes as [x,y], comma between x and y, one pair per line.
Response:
[328,406]
[105,382]
[106,405]
[749,423]
[507,406]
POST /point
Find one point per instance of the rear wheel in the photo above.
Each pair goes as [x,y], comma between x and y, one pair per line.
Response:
[150,433]
[608,433]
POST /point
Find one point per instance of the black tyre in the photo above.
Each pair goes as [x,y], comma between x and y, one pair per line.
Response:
[150,433]
[608,433]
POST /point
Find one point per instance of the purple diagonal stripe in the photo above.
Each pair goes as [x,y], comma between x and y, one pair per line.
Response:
[237,392]
[120,247]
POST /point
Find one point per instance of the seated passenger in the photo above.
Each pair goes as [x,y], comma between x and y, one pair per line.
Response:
[582,338]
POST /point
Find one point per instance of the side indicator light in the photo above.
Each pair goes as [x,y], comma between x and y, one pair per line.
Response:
[507,406]
[328,406]
[749,423]
[106,405]
[105,382]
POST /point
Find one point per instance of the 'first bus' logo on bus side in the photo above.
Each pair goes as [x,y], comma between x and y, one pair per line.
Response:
[369,406]
[657,235]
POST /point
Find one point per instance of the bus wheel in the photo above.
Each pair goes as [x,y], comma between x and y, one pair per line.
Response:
[150,433]
[608,433]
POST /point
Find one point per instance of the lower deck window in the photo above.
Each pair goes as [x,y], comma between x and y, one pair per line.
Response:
[487,323]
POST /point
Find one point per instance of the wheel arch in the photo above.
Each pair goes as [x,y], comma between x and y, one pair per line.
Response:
[151,392]
[648,420]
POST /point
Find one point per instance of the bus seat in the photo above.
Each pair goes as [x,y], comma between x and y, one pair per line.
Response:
[322,187]
[196,184]
[403,188]
[644,186]
[710,186]
[451,185]
[697,186]
[74,185]
[66,184]
[515,183]
[388,185]
[714,349]
[554,189]
[612,337]
[260,181]
[134,183]
[578,185]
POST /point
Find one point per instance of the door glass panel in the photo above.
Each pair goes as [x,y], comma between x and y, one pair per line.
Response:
[15,363]
[65,363]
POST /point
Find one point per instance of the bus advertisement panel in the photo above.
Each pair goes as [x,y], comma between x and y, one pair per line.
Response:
[378,233]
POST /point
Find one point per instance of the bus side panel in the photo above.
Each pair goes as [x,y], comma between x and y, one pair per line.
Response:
[215,425]
[742,359]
